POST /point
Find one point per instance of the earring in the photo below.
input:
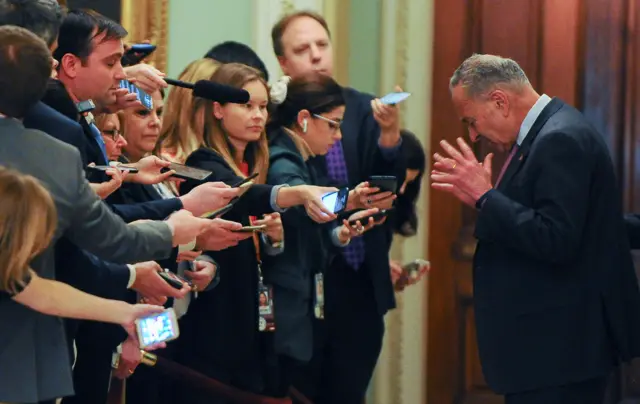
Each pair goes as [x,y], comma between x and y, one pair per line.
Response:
[304,126]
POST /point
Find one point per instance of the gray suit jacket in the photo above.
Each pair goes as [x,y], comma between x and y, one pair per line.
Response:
[34,362]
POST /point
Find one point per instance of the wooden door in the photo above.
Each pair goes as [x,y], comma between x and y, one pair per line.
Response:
[542,36]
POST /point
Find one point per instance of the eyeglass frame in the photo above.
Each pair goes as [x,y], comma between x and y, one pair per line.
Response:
[114,134]
[324,118]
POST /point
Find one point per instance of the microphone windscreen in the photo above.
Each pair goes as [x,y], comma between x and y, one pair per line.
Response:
[219,92]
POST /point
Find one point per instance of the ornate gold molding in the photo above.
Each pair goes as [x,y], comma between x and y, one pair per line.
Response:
[148,20]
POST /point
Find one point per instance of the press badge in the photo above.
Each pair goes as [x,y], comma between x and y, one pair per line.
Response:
[266,321]
[318,296]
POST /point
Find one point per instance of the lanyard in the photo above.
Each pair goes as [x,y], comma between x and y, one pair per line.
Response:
[256,244]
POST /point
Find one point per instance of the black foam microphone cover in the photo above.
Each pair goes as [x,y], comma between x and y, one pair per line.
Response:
[219,92]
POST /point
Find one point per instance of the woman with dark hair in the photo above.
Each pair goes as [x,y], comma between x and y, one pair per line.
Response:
[405,222]
[305,124]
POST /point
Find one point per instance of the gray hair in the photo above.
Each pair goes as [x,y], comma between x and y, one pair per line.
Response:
[480,74]
[41,17]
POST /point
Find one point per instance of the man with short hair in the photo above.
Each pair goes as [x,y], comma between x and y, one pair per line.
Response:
[34,361]
[358,284]
[556,298]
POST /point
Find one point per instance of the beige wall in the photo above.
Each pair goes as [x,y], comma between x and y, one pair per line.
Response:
[405,59]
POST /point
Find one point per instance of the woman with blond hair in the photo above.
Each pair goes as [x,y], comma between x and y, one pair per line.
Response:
[183,123]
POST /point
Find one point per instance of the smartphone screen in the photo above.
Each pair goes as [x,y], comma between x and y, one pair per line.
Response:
[394,98]
[158,328]
[336,201]
[143,97]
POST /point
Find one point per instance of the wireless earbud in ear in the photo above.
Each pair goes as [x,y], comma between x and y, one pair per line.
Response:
[304,126]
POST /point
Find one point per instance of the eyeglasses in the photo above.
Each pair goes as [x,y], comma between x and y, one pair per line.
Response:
[113,134]
[334,125]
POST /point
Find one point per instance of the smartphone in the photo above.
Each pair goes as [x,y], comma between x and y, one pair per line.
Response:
[130,170]
[386,183]
[245,180]
[174,281]
[179,278]
[143,96]
[412,269]
[376,217]
[136,53]
[218,212]
[250,229]
[394,98]
[186,172]
[158,328]
[336,201]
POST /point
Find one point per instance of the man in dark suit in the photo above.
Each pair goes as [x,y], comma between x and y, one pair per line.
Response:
[555,295]
[358,283]
[34,360]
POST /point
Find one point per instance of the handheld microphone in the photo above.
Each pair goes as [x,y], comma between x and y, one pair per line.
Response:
[213,91]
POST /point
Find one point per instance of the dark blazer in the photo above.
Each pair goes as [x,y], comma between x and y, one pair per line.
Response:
[308,251]
[226,318]
[34,360]
[360,134]
[555,294]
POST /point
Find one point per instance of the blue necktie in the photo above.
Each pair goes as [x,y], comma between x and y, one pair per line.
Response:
[337,171]
[98,137]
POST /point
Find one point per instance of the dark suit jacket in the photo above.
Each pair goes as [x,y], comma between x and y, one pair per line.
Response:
[555,295]
[360,134]
[308,250]
[226,318]
[34,360]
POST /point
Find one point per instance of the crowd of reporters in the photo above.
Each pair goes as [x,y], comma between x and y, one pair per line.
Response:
[90,244]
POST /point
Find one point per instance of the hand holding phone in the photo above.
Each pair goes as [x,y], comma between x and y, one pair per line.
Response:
[144,98]
[157,328]
[394,98]
[357,224]
[411,273]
